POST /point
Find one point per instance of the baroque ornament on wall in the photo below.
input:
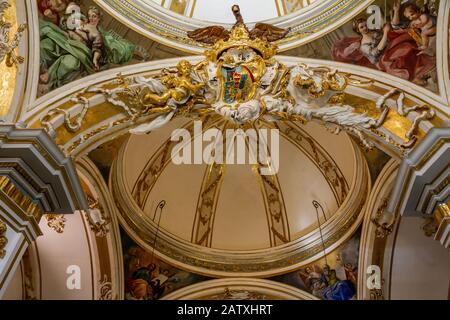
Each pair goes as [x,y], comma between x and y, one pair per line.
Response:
[56,222]
[3,239]
[8,47]
[241,80]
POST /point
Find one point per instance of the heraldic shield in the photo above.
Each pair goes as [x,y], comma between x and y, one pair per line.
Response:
[237,83]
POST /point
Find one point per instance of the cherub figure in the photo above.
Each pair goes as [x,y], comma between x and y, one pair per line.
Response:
[425,22]
[180,87]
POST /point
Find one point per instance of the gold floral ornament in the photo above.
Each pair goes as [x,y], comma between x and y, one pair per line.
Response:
[56,222]
[241,80]
[7,46]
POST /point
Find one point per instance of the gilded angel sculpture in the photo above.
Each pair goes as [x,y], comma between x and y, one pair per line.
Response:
[167,95]
[179,87]
[241,80]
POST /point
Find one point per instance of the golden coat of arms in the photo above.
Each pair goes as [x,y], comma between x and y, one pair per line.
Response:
[241,80]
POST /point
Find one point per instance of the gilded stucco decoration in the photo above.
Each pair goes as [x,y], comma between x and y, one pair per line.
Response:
[3,239]
[379,234]
[96,217]
[238,295]
[56,222]
[242,81]
[10,36]
[383,229]
[106,290]
[8,46]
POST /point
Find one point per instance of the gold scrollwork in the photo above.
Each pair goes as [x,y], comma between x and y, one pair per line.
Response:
[238,295]
[7,46]
[376,294]
[275,207]
[30,280]
[105,289]
[159,161]
[56,222]
[383,229]
[3,239]
[319,80]
[207,202]
[422,112]
[319,156]
[429,226]
[99,223]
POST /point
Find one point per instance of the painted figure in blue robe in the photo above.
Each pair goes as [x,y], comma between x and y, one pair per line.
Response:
[336,289]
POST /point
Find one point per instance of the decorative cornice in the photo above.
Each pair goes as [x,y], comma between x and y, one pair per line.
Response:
[423,178]
[10,189]
[35,165]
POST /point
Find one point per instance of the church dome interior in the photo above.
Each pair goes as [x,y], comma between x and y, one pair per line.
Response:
[224,150]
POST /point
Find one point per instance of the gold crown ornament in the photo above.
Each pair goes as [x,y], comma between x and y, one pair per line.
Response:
[260,38]
[240,38]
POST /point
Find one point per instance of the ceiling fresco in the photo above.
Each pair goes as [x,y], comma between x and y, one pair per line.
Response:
[74,43]
[147,277]
[333,277]
[78,38]
[397,47]
[224,150]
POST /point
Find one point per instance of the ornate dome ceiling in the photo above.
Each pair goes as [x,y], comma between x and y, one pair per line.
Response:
[322,178]
[145,227]
[219,11]
[167,21]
